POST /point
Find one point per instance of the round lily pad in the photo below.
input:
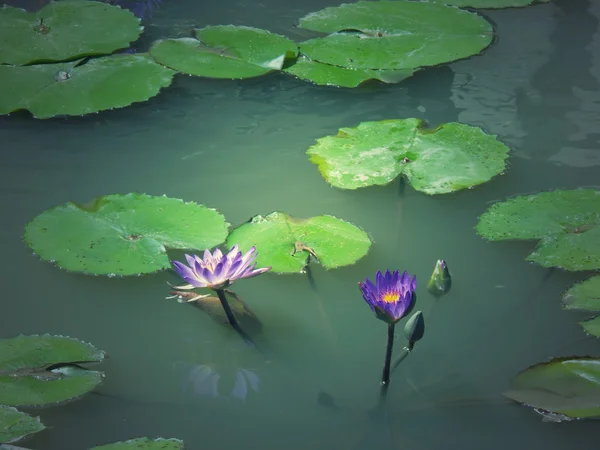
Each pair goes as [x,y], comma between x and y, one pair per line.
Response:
[585,296]
[569,386]
[225,51]
[64,30]
[489,4]
[15,425]
[394,34]
[74,89]
[42,370]
[123,234]
[449,158]
[566,222]
[285,243]
[144,443]
[328,75]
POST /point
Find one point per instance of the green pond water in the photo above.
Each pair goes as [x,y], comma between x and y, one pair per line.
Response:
[238,146]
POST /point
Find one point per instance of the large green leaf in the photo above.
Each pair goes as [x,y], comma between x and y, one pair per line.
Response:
[144,443]
[567,223]
[451,157]
[225,51]
[123,234]
[328,75]
[394,34]
[569,386]
[585,296]
[285,243]
[41,370]
[64,30]
[47,90]
[15,425]
[489,4]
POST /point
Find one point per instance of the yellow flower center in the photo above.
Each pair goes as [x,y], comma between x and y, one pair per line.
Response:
[390,297]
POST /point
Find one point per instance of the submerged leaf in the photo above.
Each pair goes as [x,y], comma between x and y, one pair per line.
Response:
[449,158]
[144,443]
[285,243]
[15,425]
[41,370]
[489,4]
[123,234]
[567,223]
[569,386]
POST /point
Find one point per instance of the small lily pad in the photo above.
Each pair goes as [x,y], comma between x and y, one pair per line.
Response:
[225,51]
[285,243]
[144,443]
[585,296]
[15,425]
[489,4]
[449,158]
[123,234]
[43,370]
[64,30]
[569,386]
[327,75]
[394,34]
[566,222]
[75,89]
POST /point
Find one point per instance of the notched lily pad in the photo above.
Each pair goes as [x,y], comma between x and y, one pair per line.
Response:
[566,223]
[15,425]
[327,75]
[64,30]
[449,158]
[285,243]
[144,443]
[394,34]
[123,234]
[43,370]
[585,296]
[569,386]
[74,89]
[225,51]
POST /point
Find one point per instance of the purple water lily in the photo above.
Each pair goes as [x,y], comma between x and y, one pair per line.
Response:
[217,271]
[392,295]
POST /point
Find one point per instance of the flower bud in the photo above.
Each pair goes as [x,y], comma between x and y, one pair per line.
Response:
[440,281]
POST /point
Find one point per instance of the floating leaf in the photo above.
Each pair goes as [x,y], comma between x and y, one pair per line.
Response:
[489,4]
[225,51]
[73,89]
[285,243]
[144,443]
[585,296]
[567,223]
[569,386]
[123,234]
[451,157]
[327,75]
[64,30]
[15,425]
[394,34]
[41,370]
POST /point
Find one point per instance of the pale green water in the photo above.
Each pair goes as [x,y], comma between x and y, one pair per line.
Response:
[238,146]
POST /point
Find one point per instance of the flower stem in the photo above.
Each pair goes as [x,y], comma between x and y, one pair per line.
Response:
[232,320]
[385,376]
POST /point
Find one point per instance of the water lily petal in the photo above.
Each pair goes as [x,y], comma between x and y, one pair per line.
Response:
[240,388]
[252,379]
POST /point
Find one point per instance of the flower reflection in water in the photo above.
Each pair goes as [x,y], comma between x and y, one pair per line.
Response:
[220,374]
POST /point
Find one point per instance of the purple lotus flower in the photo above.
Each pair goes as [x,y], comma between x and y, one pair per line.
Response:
[217,271]
[392,295]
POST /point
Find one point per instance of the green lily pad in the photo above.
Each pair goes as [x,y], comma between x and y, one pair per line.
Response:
[15,425]
[225,51]
[327,75]
[144,443]
[123,234]
[489,4]
[569,386]
[75,89]
[567,223]
[449,158]
[285,243]
[394,34]
[585,296]
[64,30]
[592,326]
[42,370]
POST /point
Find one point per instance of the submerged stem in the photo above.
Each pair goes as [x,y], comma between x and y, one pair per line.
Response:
[385,375]
[232,320]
